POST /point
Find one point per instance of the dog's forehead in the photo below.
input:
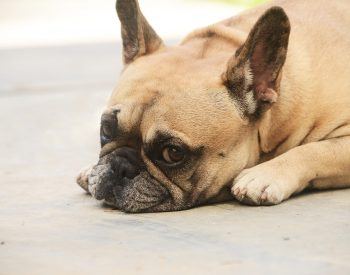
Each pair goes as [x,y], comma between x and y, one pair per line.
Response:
[174,68]
[195,117]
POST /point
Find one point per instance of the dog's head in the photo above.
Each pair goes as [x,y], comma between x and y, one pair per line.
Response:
[181,123]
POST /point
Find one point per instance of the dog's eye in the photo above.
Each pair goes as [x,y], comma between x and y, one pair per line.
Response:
[173,154]
[108,132]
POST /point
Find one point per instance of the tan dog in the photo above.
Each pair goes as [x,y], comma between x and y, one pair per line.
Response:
[232,110]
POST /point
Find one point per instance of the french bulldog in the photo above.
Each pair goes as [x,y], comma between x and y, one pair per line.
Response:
[256,107]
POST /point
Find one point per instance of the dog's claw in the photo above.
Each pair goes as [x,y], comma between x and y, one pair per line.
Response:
[263,197]
[240,193]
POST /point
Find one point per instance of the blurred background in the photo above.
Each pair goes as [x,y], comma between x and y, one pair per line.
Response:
[40,38]
[51,22]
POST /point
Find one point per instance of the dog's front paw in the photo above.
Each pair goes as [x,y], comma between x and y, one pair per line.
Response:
[83,178]
[262,186]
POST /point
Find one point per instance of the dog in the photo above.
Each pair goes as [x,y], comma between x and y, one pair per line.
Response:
[256,107]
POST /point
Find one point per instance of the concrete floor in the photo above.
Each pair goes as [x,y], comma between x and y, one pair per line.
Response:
[49,129]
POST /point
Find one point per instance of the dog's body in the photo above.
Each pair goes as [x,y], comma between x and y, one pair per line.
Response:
[268,121]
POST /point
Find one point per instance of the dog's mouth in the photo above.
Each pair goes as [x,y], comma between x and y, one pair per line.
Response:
[121,180]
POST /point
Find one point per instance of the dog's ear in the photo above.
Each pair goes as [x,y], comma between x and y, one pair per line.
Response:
[253,74]
[138,36]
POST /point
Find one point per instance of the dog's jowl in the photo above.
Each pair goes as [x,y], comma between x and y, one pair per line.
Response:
[256,107]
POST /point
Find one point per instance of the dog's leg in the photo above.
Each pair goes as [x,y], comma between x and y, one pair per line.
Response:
[82,178]
[320,165]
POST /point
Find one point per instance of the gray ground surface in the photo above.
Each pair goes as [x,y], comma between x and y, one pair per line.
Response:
[50,102]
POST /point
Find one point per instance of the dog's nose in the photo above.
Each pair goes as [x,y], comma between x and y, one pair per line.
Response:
[126,163]
[124,169]
[113,171]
